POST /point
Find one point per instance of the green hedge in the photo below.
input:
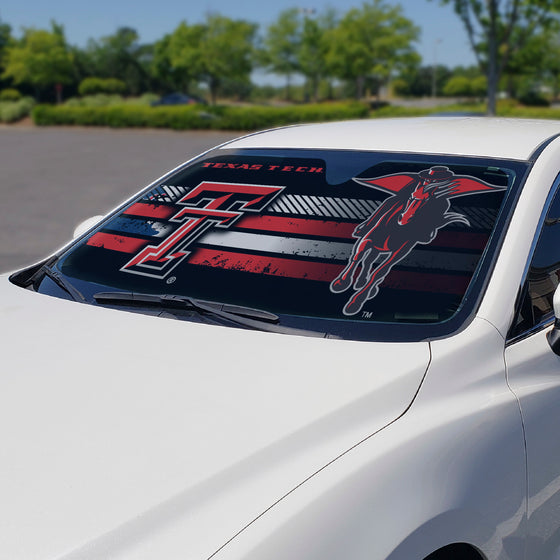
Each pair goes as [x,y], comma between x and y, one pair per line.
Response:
[195,117]
[530,112]
[91,86]
[10,94]
[106,100]
[12,111]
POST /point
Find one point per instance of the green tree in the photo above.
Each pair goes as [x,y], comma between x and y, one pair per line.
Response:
[281,46]
[463,86]
[41,58]
[220,49]
[370,43]
[457,86]
[5,41]
[226,51]
[537,64]
[167,69]
[550,61]
[313,48]
[181,52]
[497,30]
[123,57]
[417,81]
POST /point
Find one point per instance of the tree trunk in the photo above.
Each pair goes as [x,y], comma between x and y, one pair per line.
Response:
[492,60]
[492,88]
[214,83]
[315,89]
[288,83]
[360,83]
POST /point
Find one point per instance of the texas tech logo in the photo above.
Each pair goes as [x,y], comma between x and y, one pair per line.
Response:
[209,205]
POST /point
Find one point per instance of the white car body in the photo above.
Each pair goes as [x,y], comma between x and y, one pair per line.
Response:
[211,442]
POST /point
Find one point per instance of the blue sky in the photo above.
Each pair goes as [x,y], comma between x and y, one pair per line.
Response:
[442,32]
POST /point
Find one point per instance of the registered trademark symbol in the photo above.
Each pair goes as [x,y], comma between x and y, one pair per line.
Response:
[171,279]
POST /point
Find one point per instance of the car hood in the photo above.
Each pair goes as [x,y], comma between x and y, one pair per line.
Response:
[128,436]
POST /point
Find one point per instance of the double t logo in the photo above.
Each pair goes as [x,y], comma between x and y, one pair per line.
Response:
[208,205]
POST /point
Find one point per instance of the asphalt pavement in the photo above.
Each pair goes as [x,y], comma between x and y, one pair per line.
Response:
[53,178]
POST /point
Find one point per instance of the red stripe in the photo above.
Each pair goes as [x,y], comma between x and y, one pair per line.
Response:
[290,268]
[324,272]
[273,266]
[151,210]
[116,242]
[301,226]
[312,227]
[344,230]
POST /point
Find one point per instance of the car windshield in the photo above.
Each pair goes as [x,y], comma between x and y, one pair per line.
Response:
[366,246]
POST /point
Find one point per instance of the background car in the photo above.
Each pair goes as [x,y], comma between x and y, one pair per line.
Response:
[178,98]
[318,342]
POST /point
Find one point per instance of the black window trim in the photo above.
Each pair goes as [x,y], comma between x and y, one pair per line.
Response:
[548,320]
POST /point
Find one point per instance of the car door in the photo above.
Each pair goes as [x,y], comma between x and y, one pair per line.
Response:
[533,371]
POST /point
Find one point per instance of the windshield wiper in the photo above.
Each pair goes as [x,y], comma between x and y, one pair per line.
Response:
[248,317]
[61,282]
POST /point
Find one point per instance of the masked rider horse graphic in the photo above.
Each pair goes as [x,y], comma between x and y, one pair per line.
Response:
[414,213]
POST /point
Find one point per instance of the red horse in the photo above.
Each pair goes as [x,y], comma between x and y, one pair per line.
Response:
[414,214]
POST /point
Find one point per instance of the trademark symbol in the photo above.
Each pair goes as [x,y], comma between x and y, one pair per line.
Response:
[367,314]
[171,279]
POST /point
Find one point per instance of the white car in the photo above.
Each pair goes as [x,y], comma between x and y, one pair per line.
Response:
[322,342]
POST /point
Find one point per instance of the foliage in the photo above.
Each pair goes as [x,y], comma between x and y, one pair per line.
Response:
[13,111]
[461,86]
[106,100]
[457,86]
[97,100]
[5,41]
[170,75]
[191,117]
[542,60]
[312,54]
[91,86]
[10,94]
[179,51]
[281,46]
[119,56]
[533,98]
[419,81]
[41,58]
[371,42]
[219,49]
[498,30]
[479,86]
[348,54]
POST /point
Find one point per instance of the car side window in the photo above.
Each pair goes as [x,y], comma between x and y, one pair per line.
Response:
[543,276]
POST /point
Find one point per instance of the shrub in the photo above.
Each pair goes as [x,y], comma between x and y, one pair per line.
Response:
[97,100]
[144,99]
[91,86]
[533,99]
[395,111]
[192,117]
[457,86]
[10,94]
[12,111]
[479,86]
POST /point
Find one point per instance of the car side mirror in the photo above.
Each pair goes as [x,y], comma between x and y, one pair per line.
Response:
[554,335]
[88,223]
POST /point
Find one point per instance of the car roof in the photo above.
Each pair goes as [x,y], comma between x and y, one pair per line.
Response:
[472,136]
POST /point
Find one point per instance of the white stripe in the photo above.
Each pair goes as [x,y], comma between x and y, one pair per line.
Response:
[332,250]
[281,245]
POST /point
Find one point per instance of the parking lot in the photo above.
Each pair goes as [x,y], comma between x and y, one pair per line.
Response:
[53,178]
